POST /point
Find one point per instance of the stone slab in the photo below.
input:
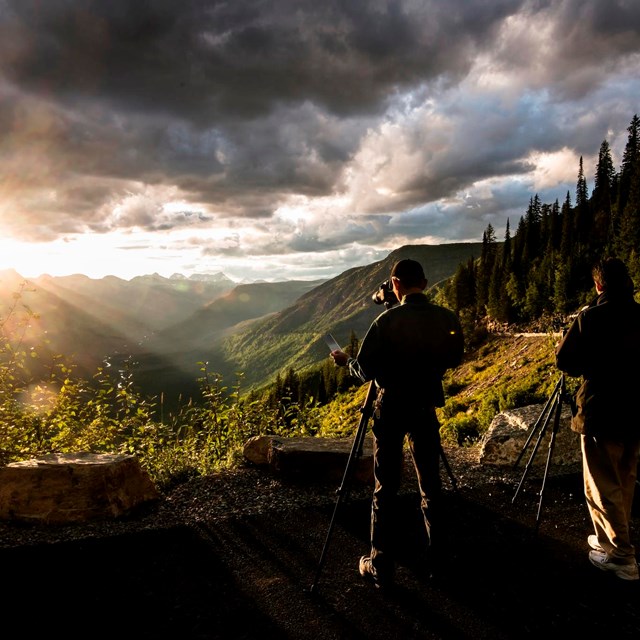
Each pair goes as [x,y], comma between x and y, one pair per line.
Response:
[311,458]
[73,487]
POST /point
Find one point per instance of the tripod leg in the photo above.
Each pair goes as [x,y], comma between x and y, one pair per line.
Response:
[342,491]
[535,448]
[445,462]
[546,408]
[552,441]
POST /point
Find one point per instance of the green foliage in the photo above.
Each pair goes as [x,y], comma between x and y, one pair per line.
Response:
[545,269]
[460,430]
[65,413]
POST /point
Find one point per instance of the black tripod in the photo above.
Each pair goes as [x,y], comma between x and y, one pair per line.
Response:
[553,407]
[342,492]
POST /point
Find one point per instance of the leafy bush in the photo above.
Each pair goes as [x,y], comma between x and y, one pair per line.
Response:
[65,413]
[461,430]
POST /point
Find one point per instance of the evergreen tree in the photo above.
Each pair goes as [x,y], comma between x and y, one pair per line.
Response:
[464,287]
[499,307]
[628,243]
[353,346]
[554,228]
[561,286]
[532,220]
[566,235]
[602,197]
[627,235]
[629,162]
[582,211]
[485,269]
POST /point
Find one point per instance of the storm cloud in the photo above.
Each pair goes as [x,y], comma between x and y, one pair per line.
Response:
[303,135]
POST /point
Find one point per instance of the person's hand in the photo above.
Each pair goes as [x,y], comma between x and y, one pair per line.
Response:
[339,357]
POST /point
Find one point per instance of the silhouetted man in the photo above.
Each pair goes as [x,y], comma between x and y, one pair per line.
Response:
[406,350]
[603,346]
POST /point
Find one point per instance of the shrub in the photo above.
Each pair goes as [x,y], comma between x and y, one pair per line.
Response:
[460,430]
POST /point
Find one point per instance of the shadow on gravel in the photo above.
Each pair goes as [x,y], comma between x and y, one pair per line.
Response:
[157,584]
[250,576]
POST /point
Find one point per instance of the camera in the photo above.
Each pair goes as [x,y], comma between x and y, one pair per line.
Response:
[384,295]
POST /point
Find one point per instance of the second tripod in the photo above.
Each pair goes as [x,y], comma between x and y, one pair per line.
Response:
[553,407]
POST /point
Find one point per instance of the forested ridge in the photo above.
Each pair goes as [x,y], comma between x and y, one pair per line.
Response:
[538,277]
[544,269]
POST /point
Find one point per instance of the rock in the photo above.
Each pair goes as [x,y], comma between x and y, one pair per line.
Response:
[311,458]
[76,487]
[504,440]
[256,450]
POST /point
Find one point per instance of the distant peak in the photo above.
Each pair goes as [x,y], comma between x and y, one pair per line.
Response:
[203,277]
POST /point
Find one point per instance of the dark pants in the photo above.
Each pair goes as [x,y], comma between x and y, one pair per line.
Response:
[420,426]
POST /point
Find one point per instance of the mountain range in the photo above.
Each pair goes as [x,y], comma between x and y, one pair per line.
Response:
[169,326]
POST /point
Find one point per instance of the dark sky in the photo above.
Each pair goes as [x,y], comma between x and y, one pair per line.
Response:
[295,139]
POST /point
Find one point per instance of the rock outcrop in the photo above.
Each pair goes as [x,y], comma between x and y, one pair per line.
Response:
[507,435]
[64,488]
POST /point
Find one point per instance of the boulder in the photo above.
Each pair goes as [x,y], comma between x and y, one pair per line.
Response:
[506,437]
[256,450]
[310,458]
[74,487]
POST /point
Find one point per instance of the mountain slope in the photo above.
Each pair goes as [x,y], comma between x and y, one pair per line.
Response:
[169,326]
[293,337]
[245,302]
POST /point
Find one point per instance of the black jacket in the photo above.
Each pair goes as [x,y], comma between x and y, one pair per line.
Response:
[603,346]
[408,348]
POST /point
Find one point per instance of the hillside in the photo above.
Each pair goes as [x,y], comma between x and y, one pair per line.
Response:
[167,326]
[292,338]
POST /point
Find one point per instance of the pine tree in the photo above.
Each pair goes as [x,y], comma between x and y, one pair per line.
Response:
[354,345]
[566,215]
[499,306]
[602,198]
[629,161]
[582,212]
[627,234]
[485,269]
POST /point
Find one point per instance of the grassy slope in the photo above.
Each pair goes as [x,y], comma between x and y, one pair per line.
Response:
[506,371]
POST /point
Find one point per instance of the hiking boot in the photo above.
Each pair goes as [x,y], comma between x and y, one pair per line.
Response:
[369,573]
[592,541]
[628,571]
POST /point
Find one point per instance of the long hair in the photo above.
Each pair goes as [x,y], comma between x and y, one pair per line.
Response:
[612,276]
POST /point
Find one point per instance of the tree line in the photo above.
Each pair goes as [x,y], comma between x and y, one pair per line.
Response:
[544,269]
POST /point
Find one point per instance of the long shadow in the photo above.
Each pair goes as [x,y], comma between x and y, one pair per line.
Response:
[499,576]
[157,584]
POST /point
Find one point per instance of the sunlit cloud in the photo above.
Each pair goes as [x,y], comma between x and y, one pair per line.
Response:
[269,144]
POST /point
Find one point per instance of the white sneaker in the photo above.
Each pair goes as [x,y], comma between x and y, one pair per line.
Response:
[592,541]
[627,571]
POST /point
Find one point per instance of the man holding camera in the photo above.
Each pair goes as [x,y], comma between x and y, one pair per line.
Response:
[406,351]
[603,346]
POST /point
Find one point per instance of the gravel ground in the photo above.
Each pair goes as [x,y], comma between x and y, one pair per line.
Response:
[235,555]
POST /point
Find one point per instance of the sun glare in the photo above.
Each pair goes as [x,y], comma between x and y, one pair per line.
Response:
[89,255]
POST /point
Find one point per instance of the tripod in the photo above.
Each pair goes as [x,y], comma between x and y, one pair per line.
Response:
[553,407]
[342,492]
